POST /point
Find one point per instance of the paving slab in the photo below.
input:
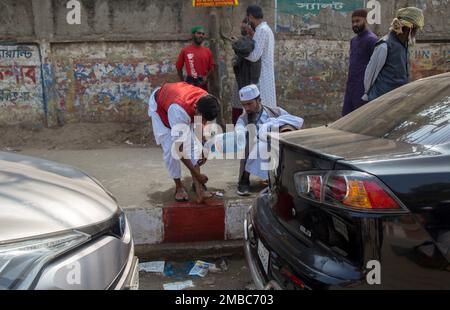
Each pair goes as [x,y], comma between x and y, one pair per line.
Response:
[138,179]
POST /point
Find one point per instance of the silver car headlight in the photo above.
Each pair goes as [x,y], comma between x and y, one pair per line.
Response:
[20,262]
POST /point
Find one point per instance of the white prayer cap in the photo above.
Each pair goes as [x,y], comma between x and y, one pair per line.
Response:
[249,92]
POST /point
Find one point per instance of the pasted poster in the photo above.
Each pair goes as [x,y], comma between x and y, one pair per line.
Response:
[295,16]
[20,80]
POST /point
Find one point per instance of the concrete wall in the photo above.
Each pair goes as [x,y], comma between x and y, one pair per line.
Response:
[110,81]
[312,51]
[106,67]
[335,23]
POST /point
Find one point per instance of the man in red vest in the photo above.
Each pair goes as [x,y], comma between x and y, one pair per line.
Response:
[172,108]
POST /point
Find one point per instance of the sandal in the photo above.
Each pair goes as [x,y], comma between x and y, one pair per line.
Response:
[185,198]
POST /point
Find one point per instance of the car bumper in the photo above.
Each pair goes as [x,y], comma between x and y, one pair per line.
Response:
[290,254]
[388,240]
[255,271]
[129,279]
[130,276]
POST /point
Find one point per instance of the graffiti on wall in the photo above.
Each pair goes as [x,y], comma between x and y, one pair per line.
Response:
[312,74]
[95,86]
[20,79]
[429,59]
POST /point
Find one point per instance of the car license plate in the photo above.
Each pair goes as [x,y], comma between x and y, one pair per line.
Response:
[263,254]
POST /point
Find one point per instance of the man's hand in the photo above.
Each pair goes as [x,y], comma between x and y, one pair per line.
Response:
[201,178]
[201,162]
[250,31]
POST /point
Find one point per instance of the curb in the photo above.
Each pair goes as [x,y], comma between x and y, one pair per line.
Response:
[190,223]
[190,250]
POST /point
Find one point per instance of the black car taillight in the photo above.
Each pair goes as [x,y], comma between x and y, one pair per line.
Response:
[347,189]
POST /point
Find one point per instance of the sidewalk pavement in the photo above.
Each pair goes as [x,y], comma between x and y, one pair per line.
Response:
[138,179]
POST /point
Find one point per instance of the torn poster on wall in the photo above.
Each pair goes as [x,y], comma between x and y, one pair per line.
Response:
[20,77]
[298,16]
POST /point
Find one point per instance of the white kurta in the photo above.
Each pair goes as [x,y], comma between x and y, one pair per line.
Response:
[255,165]
[264,50]
[165,137]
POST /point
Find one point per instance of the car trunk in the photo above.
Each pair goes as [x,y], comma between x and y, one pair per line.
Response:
[320,149]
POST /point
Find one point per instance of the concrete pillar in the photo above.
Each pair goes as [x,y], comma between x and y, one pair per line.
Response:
[215,85]
[44,30]
[48,78]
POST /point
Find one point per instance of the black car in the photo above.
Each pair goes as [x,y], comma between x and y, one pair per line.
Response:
[362,203]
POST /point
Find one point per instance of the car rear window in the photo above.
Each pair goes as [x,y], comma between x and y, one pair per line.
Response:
[418,113]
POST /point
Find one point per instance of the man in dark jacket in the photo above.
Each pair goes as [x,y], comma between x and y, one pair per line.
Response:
[246,72]
[388,68]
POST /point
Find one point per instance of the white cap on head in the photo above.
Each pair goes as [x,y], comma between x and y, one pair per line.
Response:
[249,92]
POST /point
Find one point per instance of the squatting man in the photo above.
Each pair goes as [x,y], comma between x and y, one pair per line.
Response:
[180,113]
[257,123]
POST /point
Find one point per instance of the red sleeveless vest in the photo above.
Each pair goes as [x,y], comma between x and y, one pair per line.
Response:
[183,94]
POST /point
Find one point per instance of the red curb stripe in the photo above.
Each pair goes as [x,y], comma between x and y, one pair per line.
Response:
[190,222]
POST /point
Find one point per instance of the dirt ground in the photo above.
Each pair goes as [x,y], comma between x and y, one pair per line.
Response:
[83,136]
[78,136]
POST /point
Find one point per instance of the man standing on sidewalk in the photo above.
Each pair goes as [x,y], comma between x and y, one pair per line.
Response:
[264,50]
[361,48]
[245,71]
[388,68]
[197,59]
[172,107]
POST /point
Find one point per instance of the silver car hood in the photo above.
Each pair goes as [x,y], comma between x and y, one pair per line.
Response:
[40,197]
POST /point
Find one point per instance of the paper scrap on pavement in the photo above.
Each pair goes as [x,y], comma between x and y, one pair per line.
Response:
[219,194]
[200,269]
[156,266]
[176,286]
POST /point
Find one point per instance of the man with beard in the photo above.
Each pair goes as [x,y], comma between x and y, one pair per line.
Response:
[361,48]
[264,51]
[246,71]
[388,68]
[255,123]
[198,60]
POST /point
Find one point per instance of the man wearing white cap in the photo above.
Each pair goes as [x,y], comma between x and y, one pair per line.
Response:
[262,117]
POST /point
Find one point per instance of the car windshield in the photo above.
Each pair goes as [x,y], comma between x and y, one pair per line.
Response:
[418,113]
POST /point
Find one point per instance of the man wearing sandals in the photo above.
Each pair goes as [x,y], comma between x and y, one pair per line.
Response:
[263,119]
[173,107]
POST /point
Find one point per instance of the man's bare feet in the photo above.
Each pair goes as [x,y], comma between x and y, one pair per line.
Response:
[203,195]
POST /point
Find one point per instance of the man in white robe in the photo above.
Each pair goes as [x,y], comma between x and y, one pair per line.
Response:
[264,50]
[256,123]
